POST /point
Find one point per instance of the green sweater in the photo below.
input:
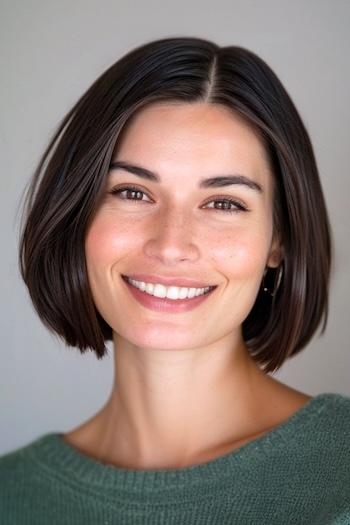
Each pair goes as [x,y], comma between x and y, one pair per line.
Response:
[298,473]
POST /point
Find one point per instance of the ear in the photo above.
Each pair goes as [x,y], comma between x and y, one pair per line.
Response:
[275,255]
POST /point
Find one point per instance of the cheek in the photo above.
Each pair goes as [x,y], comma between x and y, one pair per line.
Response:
[240,254]
[106,240]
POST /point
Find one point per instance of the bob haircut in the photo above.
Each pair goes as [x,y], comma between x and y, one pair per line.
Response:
[69,181]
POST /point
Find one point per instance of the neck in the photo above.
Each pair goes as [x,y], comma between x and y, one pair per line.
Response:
[172,408]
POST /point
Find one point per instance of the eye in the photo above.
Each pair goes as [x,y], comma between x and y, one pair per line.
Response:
[229,205]
[130,190]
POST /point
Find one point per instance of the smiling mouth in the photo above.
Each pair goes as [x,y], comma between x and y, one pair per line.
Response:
[177,303]
[173,293]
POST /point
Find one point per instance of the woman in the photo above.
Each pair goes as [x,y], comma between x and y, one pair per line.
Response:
[178,212]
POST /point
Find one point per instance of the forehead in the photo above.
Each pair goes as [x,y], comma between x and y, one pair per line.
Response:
[170,136]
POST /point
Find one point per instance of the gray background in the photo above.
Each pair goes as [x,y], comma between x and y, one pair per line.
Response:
[50,53]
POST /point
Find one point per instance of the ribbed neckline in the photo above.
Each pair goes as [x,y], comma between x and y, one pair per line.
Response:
[81,471]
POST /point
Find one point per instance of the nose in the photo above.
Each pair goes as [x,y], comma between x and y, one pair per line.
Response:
[172,238]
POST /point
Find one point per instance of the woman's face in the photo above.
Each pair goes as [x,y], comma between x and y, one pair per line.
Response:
[178,228]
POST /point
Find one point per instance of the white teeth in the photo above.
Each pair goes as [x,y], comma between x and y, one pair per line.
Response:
[171,292]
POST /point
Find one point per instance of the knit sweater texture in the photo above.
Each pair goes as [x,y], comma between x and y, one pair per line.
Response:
[298,473]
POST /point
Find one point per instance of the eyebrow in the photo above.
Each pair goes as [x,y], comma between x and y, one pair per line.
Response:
[218,181]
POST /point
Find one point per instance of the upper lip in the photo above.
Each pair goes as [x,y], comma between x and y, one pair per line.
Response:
[168,281]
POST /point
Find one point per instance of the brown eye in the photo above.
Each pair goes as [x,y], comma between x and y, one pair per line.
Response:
[130,190]
[228,206]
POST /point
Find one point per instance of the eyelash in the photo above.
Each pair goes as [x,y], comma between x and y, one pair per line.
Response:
[239,205]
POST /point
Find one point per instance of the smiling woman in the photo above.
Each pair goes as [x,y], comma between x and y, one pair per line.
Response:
[178,213]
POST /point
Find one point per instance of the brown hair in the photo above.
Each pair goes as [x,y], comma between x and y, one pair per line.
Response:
[68,184]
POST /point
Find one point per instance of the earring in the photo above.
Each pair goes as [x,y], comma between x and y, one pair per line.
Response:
[276,283]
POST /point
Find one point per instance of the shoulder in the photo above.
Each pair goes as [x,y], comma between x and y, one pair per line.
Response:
[13,461]
[321,435]
[334,423]
[18,455]
[328,415]
[24,459]
[19,462]
[333,410]
[22,479]
[327,461]
[316,436]
[329,410]
[312,449]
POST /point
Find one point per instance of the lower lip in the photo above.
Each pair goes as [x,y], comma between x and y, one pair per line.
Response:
[164,304]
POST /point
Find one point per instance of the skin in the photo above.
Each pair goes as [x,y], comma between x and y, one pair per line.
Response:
[185,388]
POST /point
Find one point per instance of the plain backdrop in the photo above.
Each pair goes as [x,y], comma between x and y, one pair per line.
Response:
[50,54]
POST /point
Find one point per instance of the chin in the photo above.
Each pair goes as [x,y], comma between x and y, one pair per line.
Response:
[158,339]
